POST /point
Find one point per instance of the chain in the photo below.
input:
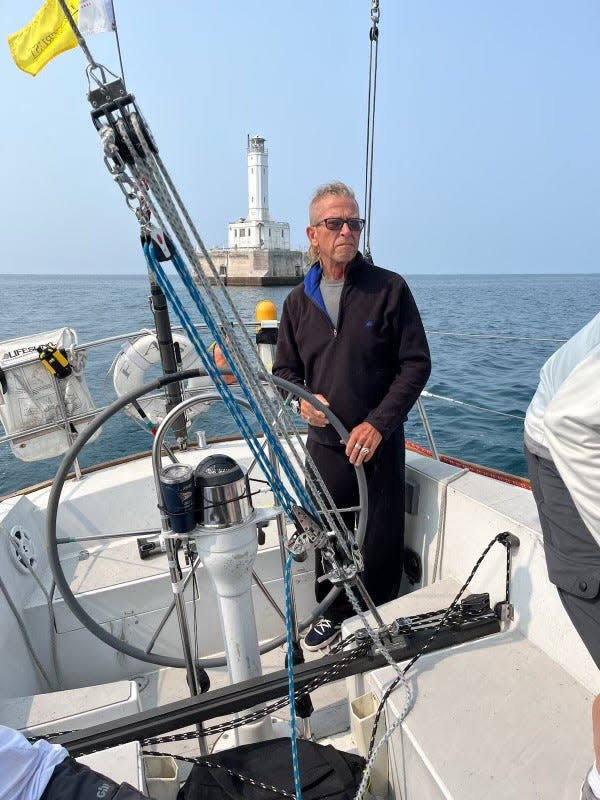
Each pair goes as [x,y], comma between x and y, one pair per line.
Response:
[375,13]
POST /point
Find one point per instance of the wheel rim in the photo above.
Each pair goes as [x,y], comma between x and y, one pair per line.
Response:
[61,476]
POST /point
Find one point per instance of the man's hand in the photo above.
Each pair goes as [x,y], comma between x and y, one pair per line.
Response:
[362,443]
[311,415]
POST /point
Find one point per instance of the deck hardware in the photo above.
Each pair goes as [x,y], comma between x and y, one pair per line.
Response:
[202,679]
[150,546]
[22,548]
[411,497]
[260,531]
[509,540]
[505,612]
[413,566]
[309,533]
[108,93]
[474,604]
[246,694]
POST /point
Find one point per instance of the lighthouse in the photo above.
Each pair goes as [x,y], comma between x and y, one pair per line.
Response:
[257,229]
[258,248]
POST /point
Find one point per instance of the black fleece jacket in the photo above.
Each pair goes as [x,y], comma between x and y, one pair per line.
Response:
[372,365]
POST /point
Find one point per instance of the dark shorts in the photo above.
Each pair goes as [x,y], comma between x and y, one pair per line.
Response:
[572,554]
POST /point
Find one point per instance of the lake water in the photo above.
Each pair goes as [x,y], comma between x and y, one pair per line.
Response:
[487,335]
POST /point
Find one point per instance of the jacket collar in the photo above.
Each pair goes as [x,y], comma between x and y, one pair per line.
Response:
[312,279]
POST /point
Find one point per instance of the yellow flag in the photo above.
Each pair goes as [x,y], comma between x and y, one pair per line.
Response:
[46,36]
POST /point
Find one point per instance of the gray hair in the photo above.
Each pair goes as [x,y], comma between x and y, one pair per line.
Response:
[336,188]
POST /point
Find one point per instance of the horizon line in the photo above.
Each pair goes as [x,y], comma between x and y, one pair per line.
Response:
[407,274]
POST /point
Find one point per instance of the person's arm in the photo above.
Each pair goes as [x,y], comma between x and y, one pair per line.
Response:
[26,768]
[413,367]
[572,426]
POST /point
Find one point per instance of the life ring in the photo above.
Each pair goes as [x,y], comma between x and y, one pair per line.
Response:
[134,361]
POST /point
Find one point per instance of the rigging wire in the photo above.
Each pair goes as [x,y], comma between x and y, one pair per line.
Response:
[452,400]
[116,32]
[497,336]
[374,40]
[78,35]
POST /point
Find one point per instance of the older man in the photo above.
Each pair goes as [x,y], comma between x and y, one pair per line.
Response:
[352,334]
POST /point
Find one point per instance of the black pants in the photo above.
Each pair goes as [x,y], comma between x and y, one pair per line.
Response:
[572,554]
[74,781]
[383,547]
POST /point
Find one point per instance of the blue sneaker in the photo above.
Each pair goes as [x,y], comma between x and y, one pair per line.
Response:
[322,633]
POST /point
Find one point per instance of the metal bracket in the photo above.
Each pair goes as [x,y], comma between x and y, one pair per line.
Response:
[115,90]
[505,612]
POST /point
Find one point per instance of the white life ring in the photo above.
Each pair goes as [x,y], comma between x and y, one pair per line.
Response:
[134,361]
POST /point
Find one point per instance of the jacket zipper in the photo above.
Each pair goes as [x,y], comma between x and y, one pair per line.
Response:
[325,314]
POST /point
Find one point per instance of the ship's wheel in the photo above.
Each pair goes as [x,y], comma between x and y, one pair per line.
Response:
[145,653]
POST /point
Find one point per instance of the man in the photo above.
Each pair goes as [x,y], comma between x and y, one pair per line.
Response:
[352,334]
[562,447]
[44,771]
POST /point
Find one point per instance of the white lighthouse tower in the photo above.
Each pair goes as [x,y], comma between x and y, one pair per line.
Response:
[258,179]
[257,230]
[258,249]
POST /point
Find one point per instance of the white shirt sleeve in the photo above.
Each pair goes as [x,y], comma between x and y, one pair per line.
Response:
[25,768]
[572,425]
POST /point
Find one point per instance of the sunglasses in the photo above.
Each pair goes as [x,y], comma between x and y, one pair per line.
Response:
[337,223]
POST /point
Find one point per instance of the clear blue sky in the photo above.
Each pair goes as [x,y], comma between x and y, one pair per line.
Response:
[487,154]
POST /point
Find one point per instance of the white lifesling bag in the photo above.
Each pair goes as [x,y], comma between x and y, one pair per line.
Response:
[43,407]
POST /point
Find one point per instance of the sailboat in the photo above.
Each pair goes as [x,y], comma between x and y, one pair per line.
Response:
[124,620]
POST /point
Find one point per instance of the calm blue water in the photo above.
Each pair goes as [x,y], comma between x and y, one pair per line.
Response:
[495,374]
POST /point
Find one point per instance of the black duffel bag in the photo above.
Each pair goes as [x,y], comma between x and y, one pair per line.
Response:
[326,773]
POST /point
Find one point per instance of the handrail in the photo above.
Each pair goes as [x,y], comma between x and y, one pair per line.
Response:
[420,405]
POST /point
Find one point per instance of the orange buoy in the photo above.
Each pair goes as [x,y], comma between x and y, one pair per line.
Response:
[221,363]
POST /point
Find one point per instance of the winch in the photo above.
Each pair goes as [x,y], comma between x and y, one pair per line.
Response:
[222,493]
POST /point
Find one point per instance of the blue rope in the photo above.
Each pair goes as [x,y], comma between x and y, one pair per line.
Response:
[222,342]
[229,400]
[279,490]
[226,394]
[287,583]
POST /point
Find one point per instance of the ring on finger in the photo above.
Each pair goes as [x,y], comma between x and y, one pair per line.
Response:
[365,451]
[357,446]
